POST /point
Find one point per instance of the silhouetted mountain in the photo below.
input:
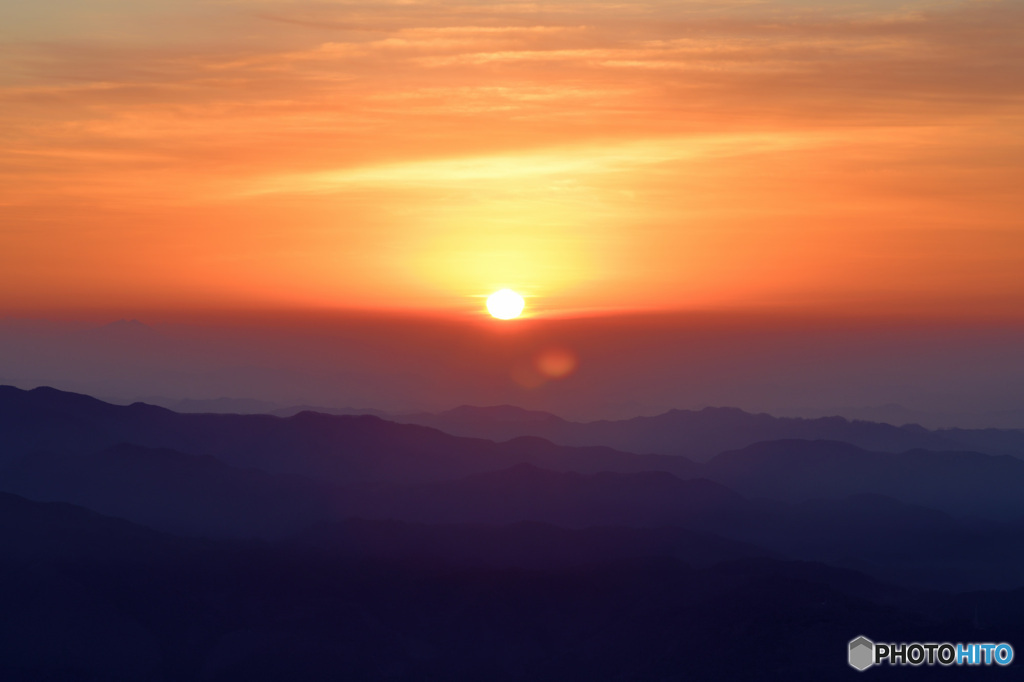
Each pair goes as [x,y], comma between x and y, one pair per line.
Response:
[702,434]
[964,484]
[211,405]
[336,449]
[522,545]
[55,626]
[173,491]
[568,499]
[896,542]
[60,532]
[938,420]
[243,475]
[91,598]
[884,537]
[296,409]
[590,459]
[991,441]
[498,414]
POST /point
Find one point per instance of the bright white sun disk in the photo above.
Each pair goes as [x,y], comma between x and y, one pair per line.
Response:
[505,304]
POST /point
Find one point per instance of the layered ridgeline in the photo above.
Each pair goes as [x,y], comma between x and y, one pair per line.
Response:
[145,544]
[702,434]
[697,434]
[936,519]
[88,597]
[341,449]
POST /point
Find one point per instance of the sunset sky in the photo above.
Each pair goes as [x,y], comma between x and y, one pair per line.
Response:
[860,157]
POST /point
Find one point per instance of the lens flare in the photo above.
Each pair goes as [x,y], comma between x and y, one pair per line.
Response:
[556,363]
[550,364]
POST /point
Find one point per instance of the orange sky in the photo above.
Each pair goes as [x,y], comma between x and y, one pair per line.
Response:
[845,156]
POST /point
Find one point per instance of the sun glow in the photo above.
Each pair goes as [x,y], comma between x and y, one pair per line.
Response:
[505,304]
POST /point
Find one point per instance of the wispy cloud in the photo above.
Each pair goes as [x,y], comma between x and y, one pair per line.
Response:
[661,121]
[576,162]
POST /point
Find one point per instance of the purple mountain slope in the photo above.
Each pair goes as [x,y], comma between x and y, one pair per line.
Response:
[337,449]
[703,434]
[173,491]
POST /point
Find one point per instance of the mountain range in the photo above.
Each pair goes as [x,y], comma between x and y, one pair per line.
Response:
[702,434]
[88,597]
[225,546]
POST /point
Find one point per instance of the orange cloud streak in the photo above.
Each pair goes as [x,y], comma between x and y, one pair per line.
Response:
[594,156]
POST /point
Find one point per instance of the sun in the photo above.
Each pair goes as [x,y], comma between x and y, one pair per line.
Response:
[505,304]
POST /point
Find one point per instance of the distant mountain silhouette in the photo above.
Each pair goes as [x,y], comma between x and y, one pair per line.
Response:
[337,449]
[590,459]
[173,491]
[893,413]
[882,536]
[992,441]
[497,414]
[56,531]
[703,434]
[568,499]
[296,409]
[362,450]
[954,518]
[518,561]
[212,405]
[894,541]
[965,484]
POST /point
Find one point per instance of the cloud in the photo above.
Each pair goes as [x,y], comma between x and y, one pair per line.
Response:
[665,124]
[567,162]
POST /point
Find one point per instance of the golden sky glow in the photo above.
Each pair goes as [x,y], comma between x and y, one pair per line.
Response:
[660,155]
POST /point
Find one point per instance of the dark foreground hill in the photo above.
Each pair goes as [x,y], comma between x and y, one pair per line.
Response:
[126,603]
[901,542]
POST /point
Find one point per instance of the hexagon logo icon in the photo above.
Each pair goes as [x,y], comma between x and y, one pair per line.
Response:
[862,653]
